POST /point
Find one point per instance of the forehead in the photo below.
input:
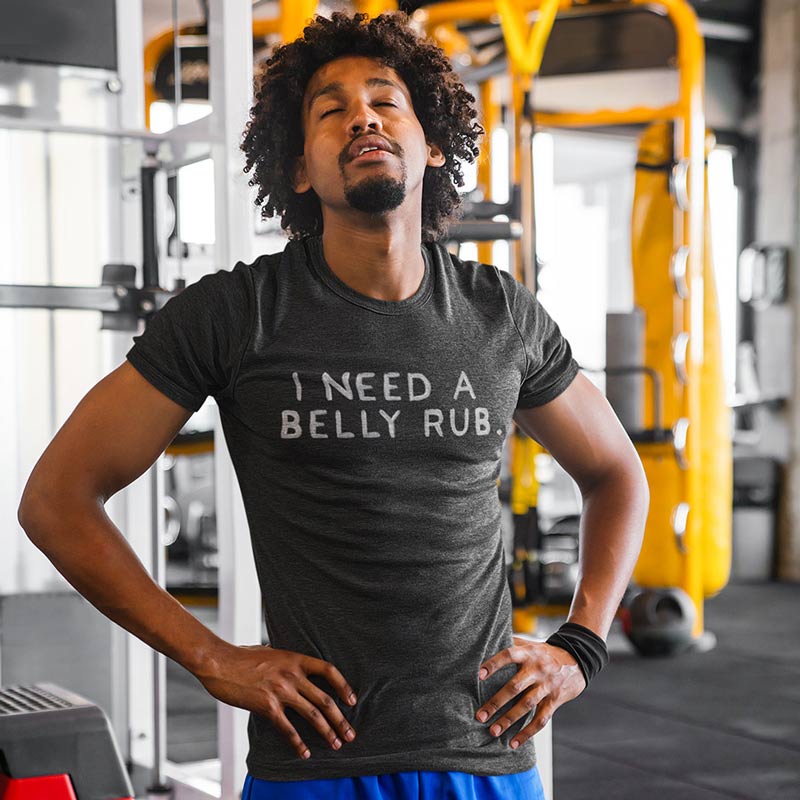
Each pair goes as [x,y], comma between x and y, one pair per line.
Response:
[349,72]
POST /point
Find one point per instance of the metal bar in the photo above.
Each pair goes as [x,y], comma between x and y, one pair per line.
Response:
[149,234]
[159,661]
[108,299]
[230,29]
[526,57]
[473,10]
[177,77]
[51,322]
[486,209]
[124,239]
[628,116]
[177,72]
[527,251]
[485,231]
[191,132]
[726,31]
[101,298]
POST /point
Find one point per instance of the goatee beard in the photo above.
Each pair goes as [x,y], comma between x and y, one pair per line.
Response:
[376,195]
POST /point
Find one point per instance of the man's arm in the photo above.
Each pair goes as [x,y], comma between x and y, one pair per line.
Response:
[116,432]
[581,431]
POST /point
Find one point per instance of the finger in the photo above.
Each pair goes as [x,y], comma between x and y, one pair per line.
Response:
[511,655]
[527,703]
[325,702]
[544,713]
[317,719]
[515,685]
[285,727]
[335,678]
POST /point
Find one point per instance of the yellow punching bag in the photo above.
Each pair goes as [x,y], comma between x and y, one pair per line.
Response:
[716,457]
[652,245]
[661,562]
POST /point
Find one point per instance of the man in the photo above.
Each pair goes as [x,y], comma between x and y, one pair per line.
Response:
[366,382]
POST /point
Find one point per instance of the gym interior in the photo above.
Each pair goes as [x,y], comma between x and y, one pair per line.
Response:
[639,173]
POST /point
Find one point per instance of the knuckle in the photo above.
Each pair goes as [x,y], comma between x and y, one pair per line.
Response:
[530,702]
[272,708]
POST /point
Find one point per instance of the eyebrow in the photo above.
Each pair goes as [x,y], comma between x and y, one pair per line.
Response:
[336,87]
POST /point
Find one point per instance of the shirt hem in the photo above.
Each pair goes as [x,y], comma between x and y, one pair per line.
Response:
[506,764]
[161,382]
[553,391]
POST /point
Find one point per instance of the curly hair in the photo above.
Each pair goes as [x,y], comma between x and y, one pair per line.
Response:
[273,137]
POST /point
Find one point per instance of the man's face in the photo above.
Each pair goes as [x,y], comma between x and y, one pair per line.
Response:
[351,103]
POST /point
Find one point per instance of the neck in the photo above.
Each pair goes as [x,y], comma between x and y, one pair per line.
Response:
[381,260]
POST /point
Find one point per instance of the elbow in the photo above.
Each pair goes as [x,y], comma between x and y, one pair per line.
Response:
[625,471]
[28,511]
[32,512]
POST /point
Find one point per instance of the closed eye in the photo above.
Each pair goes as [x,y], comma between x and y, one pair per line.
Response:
[331,110]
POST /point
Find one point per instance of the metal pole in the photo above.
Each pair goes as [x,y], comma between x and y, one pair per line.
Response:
[157,787]
[51,323]
[150,275]
[177,71]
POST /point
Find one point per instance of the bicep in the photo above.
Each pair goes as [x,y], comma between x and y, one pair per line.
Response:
[581,431]
[114,434]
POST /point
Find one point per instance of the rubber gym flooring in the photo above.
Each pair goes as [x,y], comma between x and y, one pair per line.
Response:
[722,724]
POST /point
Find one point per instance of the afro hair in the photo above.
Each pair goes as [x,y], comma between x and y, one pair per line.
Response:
[273,137]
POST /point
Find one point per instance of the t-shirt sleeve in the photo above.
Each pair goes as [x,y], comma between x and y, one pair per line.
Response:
[549,364]
[192,347]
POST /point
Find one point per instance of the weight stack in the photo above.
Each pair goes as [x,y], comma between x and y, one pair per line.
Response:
[57,745]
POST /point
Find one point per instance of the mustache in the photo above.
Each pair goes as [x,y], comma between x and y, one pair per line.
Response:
[344,156]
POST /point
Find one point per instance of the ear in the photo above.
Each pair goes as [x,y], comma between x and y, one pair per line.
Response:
[435,156]
[300,181]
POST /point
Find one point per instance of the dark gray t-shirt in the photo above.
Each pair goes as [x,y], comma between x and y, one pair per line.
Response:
[366,436]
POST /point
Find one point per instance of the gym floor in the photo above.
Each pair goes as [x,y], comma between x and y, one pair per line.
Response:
[722,724]
[699,726]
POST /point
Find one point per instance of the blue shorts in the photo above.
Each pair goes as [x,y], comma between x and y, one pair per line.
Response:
[422,785]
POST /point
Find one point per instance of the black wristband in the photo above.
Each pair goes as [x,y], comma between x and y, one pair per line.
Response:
[585,646]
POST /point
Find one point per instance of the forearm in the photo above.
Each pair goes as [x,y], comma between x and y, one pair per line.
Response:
[612,527]
[90,552]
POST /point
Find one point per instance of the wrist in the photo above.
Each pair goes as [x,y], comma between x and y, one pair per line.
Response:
[206,659]
[584,645]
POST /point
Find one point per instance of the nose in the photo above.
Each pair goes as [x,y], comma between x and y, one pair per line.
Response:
[364,118]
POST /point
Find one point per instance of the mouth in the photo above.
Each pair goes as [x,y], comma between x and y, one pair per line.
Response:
[372,156]
[369,148]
